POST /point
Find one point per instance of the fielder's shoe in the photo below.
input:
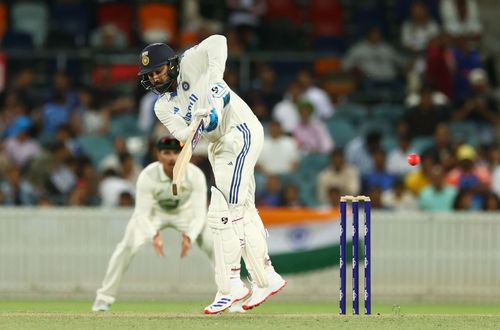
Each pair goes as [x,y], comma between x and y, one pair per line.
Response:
[100,306]
[259,295]
[239,292]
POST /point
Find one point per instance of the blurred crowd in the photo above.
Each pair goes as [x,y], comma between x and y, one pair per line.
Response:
[396,77]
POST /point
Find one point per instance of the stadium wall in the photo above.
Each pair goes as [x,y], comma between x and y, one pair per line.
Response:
[63,252]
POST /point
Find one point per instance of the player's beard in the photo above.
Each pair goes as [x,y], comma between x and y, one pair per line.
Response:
[164,87]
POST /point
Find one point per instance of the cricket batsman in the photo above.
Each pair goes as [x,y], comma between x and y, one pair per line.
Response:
[155,209]
[191,86]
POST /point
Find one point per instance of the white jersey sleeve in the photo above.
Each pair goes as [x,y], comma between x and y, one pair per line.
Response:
[215,48]
[167,114]
[198,201]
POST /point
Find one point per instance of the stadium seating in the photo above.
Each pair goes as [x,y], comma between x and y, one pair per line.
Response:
[157,22]
[420,144]
[31,17]
[117,14]
[96,147]
[342,131]
[3,19]
[124,125]
[355,113]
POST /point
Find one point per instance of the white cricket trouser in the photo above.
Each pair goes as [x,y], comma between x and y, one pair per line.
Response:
[233,158]
[132,241]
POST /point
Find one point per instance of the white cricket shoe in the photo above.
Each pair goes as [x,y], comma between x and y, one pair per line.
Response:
[100,306]
[237,307]
[259,295]
[239,292]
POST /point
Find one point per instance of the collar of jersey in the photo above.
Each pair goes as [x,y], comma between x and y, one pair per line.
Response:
[163,176]
[172,94]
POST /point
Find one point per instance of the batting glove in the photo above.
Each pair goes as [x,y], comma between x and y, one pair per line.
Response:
[201,112]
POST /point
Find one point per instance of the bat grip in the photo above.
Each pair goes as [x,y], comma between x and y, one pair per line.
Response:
[174,189]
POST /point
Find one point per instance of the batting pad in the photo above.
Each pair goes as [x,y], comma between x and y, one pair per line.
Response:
[255,251]
[227,248]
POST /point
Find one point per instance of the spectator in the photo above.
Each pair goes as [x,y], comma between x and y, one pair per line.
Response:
[375,194]
[286,111]
[418,29]
[15,190]
[399,198]
[25,90]
[112,160]
[51,174]
[264,87]
[280,154]
[464,201]
[379,177]
[108,38]
[359,151]
[333,199]
[93,119]
[271,196]
[438,98]
[442,151]
[147,117]
[245,16]
[260,110]
[112,186]
[340,175]
[419,179]
[480,108]
[5,160]
[65,135]
[439,65]
[491,202]
[129,168]
[465,58]
[374,61]
[291,197]
[438,196]
[87,180]
[423,119]
[461,17]
[311,135]
[468,174]
[20,147]
[323,107]
[61,108]
[81,195]
[397,163]
[126,200]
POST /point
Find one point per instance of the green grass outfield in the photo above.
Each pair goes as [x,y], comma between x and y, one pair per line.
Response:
[271,315]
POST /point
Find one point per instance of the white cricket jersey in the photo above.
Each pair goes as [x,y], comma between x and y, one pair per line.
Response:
[154,199]
[201,85]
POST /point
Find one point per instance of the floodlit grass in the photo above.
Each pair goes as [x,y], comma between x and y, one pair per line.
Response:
[271,315]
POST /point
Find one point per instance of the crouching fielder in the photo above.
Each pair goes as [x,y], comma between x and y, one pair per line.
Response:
[191,86]
[156,208]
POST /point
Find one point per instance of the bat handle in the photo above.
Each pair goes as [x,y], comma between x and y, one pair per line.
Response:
[174,189]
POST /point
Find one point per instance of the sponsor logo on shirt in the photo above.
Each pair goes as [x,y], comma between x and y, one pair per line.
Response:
[192,100]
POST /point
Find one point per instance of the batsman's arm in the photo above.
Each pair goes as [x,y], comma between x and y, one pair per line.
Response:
[175,124]
[215,48]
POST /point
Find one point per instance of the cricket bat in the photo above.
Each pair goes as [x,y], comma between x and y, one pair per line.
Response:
[186,153]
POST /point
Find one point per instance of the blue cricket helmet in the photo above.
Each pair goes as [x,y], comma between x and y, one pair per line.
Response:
[154,56]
